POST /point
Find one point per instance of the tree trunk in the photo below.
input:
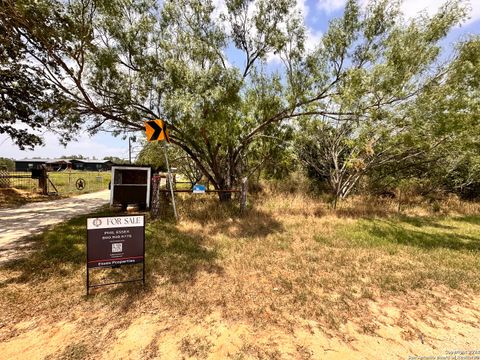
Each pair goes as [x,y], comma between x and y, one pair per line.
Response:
[224,196]
[336,197]
[243,194]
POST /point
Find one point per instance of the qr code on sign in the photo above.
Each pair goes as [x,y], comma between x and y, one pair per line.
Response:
[117,247]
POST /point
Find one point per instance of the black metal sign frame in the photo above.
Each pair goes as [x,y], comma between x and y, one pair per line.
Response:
[142,279]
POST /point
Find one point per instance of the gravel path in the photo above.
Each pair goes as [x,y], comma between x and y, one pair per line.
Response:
[19,223]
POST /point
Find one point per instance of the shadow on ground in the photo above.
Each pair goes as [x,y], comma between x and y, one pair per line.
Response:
[419,221]
[61,251]
[177,255]
[227,219]
[393,231]
[63,244]
[172,257]
[471,219]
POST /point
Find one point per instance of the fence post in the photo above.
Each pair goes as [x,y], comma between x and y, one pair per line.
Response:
[42,181]
[4,179]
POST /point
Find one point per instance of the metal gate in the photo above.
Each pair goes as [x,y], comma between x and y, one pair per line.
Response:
[68,182]
[21,180]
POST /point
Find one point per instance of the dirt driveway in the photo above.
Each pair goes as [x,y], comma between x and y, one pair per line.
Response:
[18,223]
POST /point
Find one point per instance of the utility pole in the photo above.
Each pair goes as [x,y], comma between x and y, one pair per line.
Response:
[129,150]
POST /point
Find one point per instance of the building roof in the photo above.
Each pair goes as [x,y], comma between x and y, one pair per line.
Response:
[91,161]
[64,161]
[34,160]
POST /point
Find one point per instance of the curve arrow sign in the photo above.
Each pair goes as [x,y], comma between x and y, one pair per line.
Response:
[156,130]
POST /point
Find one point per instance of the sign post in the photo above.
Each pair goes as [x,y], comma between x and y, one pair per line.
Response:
[170,181]
[156,130]
[114,241]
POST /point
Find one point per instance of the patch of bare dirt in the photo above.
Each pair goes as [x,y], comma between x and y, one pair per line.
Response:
[398,333]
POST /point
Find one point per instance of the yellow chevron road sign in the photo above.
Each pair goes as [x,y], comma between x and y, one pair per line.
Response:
[156,130]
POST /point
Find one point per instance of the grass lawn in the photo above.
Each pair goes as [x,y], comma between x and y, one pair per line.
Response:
[65,181]
[288,279]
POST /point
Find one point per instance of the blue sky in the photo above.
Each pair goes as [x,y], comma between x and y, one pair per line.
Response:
[317,13]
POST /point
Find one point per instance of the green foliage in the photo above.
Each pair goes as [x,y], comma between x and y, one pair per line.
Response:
[34,36]
[373,82]
[152,155]
[116,160]
[398,109]
[165,61]
[73,157]
[444,128]
[9,164]
[22,91]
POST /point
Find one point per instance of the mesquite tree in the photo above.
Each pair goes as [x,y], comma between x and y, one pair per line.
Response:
[25,103]
[386,73]
[117,63]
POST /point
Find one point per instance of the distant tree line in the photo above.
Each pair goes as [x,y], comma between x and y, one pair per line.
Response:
[6,163]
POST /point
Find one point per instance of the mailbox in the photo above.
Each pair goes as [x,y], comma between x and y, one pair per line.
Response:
[130,185]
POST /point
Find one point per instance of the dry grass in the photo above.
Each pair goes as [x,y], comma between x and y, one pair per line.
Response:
[15,197]
[289,262]
[196,346]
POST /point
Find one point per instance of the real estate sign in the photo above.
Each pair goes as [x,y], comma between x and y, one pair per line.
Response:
[115,240]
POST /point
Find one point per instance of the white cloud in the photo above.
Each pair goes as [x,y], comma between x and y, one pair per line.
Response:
[273,58]
[312,39]
[219,8]
[97,146]
[410,8]
[330,6]
[302,6]
[475,14]
[311,42]
[312,36]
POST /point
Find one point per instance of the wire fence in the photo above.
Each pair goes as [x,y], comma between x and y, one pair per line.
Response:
[19,180]
[78,182]
[63,183]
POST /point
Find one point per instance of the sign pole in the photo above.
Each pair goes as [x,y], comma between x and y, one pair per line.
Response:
[170,181]
[88,277]
[143,270]
[156,130]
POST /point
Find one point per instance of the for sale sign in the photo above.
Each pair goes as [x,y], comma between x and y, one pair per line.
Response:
[115,240]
